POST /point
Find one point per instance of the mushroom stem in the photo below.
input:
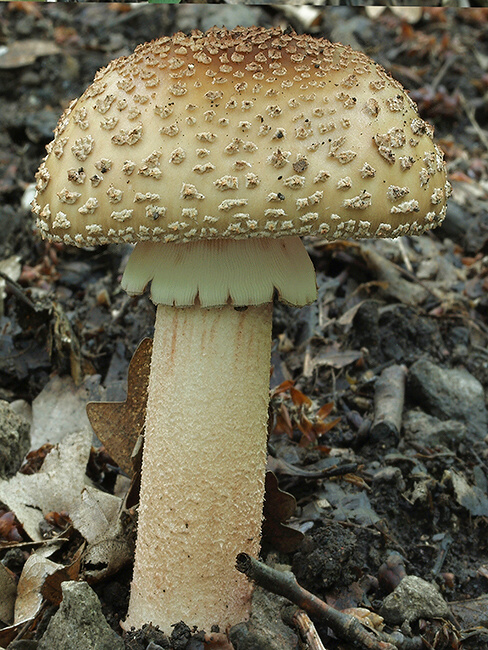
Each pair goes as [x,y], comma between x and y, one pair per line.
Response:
[202,483]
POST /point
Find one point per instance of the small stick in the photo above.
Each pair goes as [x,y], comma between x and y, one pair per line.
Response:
[280,466]
[471,117]
[301,621]
[388,403]
[17,290]
[444,68]
[391,272]
[345,626]
[403,252]
[283,583]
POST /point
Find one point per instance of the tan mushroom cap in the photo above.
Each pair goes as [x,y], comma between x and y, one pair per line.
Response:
[231,134]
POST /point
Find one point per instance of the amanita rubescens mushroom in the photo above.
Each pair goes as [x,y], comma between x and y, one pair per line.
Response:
[214,153]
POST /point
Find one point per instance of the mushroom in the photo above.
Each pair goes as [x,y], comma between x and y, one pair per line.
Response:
[214,153]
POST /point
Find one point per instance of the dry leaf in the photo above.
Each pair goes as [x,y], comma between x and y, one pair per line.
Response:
[94,512]
[8,591]
[29,596]
[10,530]
[58,410]
[325,410]
[119,424]
[298,398]
[9,633]
[111,551]
[24,52]
[61,485]
[470,497]
[471,613]
[332,357]
[109,555]
[57,486]
[283,387]
[279,506]
[51,588]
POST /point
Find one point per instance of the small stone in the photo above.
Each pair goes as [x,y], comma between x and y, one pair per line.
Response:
[429,431]
[414,598]
[449,395]
[79,623]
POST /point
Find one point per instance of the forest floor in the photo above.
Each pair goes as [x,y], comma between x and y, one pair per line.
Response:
[374,503]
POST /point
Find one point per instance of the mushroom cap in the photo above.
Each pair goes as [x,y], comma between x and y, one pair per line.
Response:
[234,134]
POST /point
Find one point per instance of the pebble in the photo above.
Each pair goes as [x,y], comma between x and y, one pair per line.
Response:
[449,394]
[79,623]
[429,431]
[414,598]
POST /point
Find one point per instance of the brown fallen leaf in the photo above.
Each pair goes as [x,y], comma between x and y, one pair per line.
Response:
[12,632]
[279,506]
[29,599]
[119,424]
[35,458]
[51,588]
[10,528]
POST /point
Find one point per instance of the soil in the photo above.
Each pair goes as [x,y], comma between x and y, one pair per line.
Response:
[394,509]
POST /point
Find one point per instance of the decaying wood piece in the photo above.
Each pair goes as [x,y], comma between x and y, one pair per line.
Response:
[302,622]
[388,403]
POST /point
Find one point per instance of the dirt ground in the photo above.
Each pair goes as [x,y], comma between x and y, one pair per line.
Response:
[373,502]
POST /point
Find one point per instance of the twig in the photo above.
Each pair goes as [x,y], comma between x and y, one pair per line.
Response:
[388,403]
[280,466]
[445,545]
[388,271]
[17,290]
[403,252]
[45,542]
[471,117]
[444,68]
[305,627]
[345,626]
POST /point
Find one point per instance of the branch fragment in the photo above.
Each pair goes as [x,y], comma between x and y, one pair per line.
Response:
[388,403]
[345,626]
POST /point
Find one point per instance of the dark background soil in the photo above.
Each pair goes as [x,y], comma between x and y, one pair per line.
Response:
[443,61]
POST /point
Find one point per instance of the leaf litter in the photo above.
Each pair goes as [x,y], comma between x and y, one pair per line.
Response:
[381,305]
